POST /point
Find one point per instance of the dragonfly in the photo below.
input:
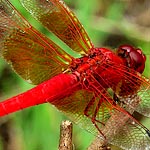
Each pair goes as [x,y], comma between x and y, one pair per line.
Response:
[99,91]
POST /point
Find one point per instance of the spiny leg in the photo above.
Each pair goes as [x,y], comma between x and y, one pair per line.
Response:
[93,117]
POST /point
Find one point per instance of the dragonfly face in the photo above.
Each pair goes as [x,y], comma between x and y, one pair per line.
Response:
[99,91]
[134,58]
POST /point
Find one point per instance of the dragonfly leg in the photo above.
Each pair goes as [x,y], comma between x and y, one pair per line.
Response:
[93,113]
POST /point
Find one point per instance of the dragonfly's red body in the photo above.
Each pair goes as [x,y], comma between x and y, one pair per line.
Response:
[45,92]
[51,90]
[99,91]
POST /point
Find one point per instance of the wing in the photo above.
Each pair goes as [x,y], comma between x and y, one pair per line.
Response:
[118,127]
[143,99]
[132,86]
[129,135]
[137,87]
[74,107]
[33,56]
[60,20]
[95,108]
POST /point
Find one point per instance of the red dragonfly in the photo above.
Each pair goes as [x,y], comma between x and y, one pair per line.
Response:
[99,91]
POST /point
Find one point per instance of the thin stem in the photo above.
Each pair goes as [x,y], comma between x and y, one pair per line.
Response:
[65,142]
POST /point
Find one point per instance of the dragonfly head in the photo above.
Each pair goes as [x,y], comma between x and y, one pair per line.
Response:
[133,57]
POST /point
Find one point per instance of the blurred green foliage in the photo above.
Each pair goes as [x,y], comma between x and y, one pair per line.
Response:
[108,23]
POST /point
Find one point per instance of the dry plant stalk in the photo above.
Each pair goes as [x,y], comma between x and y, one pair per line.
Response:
[65,142]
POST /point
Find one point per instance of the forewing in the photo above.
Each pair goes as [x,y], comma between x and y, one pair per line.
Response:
[107,121]
[132,86]
[142,100]
[59,19]
[95,108]
[133,95]
[132,136]
[33,56]
[121,128]
[137,90]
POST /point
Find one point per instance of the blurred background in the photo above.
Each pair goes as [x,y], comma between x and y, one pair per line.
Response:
[109,24]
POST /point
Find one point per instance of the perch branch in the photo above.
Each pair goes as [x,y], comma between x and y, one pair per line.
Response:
[65,142]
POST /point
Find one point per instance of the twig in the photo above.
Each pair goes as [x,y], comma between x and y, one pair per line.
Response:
[65,142]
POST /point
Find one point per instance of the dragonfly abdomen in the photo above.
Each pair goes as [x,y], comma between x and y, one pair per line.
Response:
[47,91]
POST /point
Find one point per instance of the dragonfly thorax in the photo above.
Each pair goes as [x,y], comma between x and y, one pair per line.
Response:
[96,65]
[89,62]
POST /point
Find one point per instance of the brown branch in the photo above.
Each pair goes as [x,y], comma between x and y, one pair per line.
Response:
[65,142]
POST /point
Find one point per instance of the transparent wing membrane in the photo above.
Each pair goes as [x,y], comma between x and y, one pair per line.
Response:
[33,56]
[60,20]
[95,106]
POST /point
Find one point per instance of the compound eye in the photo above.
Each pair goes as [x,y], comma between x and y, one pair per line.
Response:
[141,53]
[134,58]
[124,51]
[138,60]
